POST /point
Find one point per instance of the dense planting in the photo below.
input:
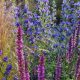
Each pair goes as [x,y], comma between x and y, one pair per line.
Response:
[42,43]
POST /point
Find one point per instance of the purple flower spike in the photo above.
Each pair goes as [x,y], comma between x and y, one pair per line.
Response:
[77,70]
[27,71]
[76,36]
[58,69]
[24,74]
[73,44]
[69,53]
[41,68]
[20,57]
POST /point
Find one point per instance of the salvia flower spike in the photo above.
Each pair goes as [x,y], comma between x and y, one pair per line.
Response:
[41,68]
[21,61]
[26,71]
[70,50]
[58,69]
[77,70]
[73,42]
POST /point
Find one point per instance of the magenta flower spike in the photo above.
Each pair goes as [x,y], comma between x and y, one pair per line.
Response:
[20,57]
[26,71]
[77,70]
[41,68]
[58,69]
[1,52]
[76,36]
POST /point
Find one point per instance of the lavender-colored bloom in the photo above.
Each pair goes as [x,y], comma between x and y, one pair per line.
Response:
[77,4]
[4,78]
[0,52]
[15,78]
[37,31]
[30,31]
[41,68]
[66,29]
[17,24]
[36,22]
[26,21]
[55,35]
[55,45]
[71,2]
[68,33]
[62,46]
[36,16]
[31,39]
[70,17]
[5,59]
[46,0]
[25,10]
[44,52]
[64,1]
[8,69]
[62,37]
[60,29]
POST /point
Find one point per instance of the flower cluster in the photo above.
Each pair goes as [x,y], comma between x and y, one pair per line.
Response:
[67,27]
[39,28]
[36,25]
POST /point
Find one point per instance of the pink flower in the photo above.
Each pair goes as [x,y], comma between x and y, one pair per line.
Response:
[27,71]
[24,75]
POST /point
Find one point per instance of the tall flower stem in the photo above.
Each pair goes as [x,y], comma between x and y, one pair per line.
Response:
[73,43]
[58,69]
[26,71]
[41,68]
[21,61]
[77,72]
[70,50]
